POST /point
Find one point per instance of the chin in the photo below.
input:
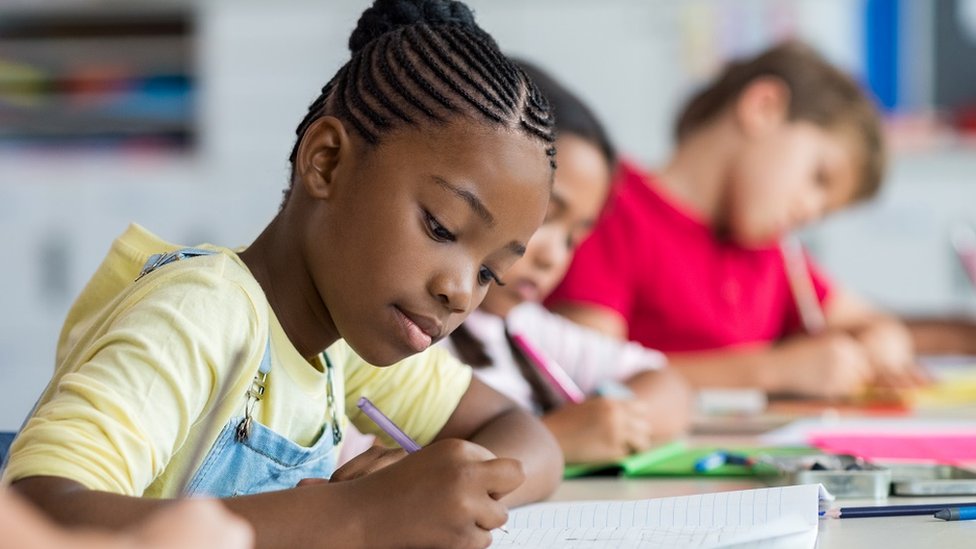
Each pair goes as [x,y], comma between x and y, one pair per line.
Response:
[381,357]
[757,240]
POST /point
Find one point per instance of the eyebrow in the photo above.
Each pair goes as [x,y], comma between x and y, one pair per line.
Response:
[475,203]
[516,248]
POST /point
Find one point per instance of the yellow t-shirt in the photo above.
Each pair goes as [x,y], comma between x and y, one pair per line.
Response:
[138,363]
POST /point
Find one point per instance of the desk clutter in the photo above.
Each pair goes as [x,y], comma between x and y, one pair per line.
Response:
[844,475]
[922,444]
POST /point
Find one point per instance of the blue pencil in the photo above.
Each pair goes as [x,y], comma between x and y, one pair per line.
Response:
[895,510]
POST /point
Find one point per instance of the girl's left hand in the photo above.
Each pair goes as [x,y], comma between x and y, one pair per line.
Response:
[368,462]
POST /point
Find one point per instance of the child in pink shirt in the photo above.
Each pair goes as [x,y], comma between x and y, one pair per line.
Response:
[656,401]
[687,260]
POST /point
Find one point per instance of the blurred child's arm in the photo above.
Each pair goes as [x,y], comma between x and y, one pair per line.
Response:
[488,418]
[830,365]
[943,335]
[191,524]
[439,497]
[887,341]
[22,527]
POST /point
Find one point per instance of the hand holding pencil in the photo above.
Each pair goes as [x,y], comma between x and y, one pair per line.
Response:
[444,495]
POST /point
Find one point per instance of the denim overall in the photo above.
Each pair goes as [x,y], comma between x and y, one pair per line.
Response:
[247,457]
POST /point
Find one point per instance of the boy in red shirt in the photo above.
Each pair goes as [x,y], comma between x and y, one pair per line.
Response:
[688,261]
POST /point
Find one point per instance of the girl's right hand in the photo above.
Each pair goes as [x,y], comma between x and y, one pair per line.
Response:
[601,429]
[831,365]
[443,496]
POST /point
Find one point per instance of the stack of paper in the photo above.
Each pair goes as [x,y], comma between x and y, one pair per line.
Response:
[769,517]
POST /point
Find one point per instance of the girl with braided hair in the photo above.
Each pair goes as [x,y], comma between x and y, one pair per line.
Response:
[418,177]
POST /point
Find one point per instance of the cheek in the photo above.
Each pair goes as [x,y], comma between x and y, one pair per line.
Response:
[520,268]
[754,210]
[387,252]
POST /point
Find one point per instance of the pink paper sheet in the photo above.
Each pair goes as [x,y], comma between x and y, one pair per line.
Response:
[951,449]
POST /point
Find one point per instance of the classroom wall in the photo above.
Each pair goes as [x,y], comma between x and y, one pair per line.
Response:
[261,63]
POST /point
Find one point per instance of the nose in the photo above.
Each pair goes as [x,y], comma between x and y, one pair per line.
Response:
[454,289]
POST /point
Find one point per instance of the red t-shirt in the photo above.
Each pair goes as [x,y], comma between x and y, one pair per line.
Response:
[677,285]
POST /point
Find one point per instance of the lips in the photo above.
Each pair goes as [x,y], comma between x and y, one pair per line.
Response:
[527,290]
[418,331]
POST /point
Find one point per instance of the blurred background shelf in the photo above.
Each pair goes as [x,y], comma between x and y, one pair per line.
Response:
[98,76]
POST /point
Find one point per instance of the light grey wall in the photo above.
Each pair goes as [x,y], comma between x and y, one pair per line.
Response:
[262,63]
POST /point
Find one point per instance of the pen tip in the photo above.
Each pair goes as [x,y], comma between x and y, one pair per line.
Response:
[943,514]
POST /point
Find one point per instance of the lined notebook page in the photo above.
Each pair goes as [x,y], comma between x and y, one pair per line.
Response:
[706,520]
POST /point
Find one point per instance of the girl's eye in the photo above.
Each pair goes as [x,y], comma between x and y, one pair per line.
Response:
[438,231]
[486,276]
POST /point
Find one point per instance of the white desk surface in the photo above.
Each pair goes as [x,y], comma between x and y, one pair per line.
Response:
[886,532]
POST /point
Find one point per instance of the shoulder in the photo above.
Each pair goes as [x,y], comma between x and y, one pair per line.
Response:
[213,294]
[545,326]
[633,205]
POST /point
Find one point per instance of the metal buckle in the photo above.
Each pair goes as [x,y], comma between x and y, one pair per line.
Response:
[330,401]
[254,394]
[154,262]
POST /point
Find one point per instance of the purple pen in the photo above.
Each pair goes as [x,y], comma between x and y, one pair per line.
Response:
[385,423]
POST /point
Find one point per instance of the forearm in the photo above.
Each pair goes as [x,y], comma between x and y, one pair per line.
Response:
[663,384]
[23,527]
[756,367]
[299,517]
[518,435]
[943,335]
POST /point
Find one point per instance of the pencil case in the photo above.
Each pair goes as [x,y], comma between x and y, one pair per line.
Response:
[843,475]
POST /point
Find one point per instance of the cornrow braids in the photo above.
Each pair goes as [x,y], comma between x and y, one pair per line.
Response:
[573,116]
[427,61]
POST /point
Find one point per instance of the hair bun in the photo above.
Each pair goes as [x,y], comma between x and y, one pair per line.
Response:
[388,15]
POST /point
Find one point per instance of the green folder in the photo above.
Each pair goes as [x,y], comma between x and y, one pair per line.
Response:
[678,459]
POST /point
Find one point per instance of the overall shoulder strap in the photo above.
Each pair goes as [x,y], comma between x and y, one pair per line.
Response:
[156,261]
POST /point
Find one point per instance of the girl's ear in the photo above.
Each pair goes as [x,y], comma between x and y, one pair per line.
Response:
[763,104]
[323,144]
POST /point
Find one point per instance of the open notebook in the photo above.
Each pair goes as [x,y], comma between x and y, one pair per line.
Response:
[768,517]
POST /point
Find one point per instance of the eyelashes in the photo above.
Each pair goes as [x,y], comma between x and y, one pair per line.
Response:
[440,233]
[486,276]
[437,231]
